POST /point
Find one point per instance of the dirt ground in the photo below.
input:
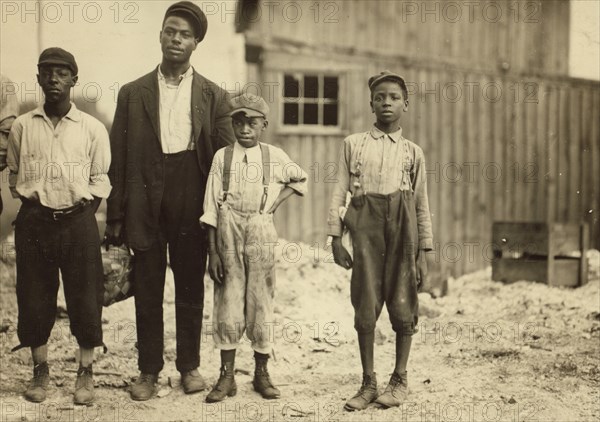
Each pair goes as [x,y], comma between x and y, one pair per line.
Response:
[486,352]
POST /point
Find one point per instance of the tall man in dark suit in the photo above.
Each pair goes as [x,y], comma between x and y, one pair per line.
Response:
[167,127]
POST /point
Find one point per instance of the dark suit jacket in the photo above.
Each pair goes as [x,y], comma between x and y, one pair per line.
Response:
[137,169]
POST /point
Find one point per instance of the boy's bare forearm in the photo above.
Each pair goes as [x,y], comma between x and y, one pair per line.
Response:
[212,240]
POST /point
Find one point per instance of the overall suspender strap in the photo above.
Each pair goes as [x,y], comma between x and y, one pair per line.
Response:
[227,170]
[266,161]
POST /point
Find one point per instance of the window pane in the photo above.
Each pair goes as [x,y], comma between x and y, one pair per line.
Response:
[331,87]
[290,114]
[330,115]
[311,87]
[311,114]
[291,86]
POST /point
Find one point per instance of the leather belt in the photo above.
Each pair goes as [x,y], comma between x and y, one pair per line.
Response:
[59,214]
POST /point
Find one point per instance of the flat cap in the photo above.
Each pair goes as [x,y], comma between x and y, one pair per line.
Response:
[58,56]
[386,75]
[250,104]
[193,11]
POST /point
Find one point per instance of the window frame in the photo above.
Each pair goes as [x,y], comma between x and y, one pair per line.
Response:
[309,129]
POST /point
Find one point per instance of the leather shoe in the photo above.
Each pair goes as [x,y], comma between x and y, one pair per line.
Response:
[192,382]
[84,386]
[365,395]
[38,386]
[225,386]
[144,387]
[396,391]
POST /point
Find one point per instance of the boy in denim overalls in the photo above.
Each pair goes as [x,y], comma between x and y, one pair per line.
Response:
[247,183]
[390,225]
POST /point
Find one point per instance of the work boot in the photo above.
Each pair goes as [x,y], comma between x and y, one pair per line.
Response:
[365,395]
[262,381]
[84,386]
[225,386]
[144,387]
[395,392]
[38,386]
[192,382]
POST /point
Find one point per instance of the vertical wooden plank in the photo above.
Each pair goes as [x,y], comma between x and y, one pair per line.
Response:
[509,154]
[468,185]
[586,176]
[316,187]
[291,216]
[531,171]
[306,223]
[553,148]
[445,210]
[430,144]
[499,170]
[321,195]
[456,178]
[503,28]
[574,154]
[521,147]
[563,145]
[594,204]
[487,157]
[514,36]
[542,151]
[438,140]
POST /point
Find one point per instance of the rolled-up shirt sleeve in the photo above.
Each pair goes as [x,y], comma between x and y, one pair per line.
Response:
[342,186]
[13,156]
[214,188]
[422,202]
[9,110]
[99,183]
[292,174]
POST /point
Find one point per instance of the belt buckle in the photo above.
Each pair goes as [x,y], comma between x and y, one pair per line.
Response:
[57,214]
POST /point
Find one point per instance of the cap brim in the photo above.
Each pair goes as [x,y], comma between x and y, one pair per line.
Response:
[248,112]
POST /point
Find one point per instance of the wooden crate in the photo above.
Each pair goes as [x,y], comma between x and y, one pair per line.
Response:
[552,253]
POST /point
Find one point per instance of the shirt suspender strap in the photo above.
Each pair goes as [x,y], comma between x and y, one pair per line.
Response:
[227,170]
[266,161]
[358,172]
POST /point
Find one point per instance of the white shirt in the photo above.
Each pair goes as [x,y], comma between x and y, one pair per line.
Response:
[175,112]
[246,180]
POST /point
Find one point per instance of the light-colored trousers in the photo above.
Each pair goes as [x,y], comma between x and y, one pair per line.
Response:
[244,301]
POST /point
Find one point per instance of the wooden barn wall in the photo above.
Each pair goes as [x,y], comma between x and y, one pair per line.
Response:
[497,148]
[490,35]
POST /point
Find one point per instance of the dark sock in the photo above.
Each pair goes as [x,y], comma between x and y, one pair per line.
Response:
[227,356]
[261,356]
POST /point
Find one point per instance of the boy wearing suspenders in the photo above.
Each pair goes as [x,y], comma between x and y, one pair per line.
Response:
[389,220]
[248,181]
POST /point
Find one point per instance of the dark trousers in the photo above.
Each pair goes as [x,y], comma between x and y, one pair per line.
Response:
[44,246]
[385,245]
[181,233]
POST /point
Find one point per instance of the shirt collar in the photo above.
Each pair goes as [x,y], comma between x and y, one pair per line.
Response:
[245,150]
[188,73]
[74,114]
[376,133]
